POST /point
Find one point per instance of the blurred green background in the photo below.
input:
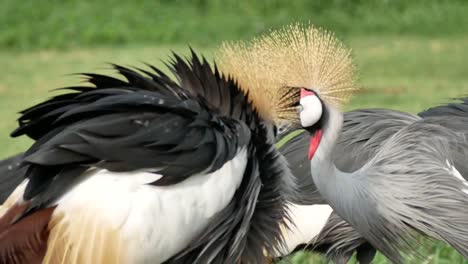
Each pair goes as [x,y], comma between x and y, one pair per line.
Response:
[410,54]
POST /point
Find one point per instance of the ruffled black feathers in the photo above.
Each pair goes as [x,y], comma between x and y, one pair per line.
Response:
[175,128]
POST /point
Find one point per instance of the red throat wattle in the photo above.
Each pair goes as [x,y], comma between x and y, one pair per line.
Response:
[314,143]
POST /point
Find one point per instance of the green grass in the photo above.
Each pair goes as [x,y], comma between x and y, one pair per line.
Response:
[30,25]
[406,73]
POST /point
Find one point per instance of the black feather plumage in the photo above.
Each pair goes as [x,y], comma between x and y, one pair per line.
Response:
[175,128]
[8,181]
[459,109]
[253,219]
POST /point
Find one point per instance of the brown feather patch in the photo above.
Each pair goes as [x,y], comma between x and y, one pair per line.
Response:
[24,241]
[53,236]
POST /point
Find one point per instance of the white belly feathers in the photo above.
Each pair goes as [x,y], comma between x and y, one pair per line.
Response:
[308,221]
[153,222]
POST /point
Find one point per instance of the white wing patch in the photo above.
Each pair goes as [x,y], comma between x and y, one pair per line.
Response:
[457,175]
[308,221]
[153,223]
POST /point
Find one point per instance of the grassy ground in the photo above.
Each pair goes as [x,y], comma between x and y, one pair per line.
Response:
[406,73]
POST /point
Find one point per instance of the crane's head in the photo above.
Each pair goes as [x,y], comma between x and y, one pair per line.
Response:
[311,116]
[307,70]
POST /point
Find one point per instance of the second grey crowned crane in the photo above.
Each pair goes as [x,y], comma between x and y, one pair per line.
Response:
[413,165]
[364,132]
[411,185]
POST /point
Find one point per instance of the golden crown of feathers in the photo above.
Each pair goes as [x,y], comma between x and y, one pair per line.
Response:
[273,66]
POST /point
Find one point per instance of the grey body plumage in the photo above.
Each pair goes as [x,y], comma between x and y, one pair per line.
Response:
[408,187]
[364,132]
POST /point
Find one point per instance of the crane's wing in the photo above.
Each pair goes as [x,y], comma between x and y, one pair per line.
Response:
[459,125]
[364,131]
[8,182]
[454,116]
[149,125]
[410,187]
[121,127]
[450,109]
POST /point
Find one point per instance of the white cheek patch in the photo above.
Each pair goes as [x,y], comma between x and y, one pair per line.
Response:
[311,110]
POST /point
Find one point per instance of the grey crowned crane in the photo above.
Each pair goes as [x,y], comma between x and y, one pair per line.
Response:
[411,184]
[364,132]
[149,170]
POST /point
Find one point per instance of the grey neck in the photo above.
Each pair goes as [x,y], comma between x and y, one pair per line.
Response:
[328,179]
[330,133]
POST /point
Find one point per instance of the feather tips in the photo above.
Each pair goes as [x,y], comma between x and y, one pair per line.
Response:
[85,239]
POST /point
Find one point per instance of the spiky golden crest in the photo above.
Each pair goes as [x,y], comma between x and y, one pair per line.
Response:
[274,65]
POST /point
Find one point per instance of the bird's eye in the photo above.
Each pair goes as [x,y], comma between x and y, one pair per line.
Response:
[283,128]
